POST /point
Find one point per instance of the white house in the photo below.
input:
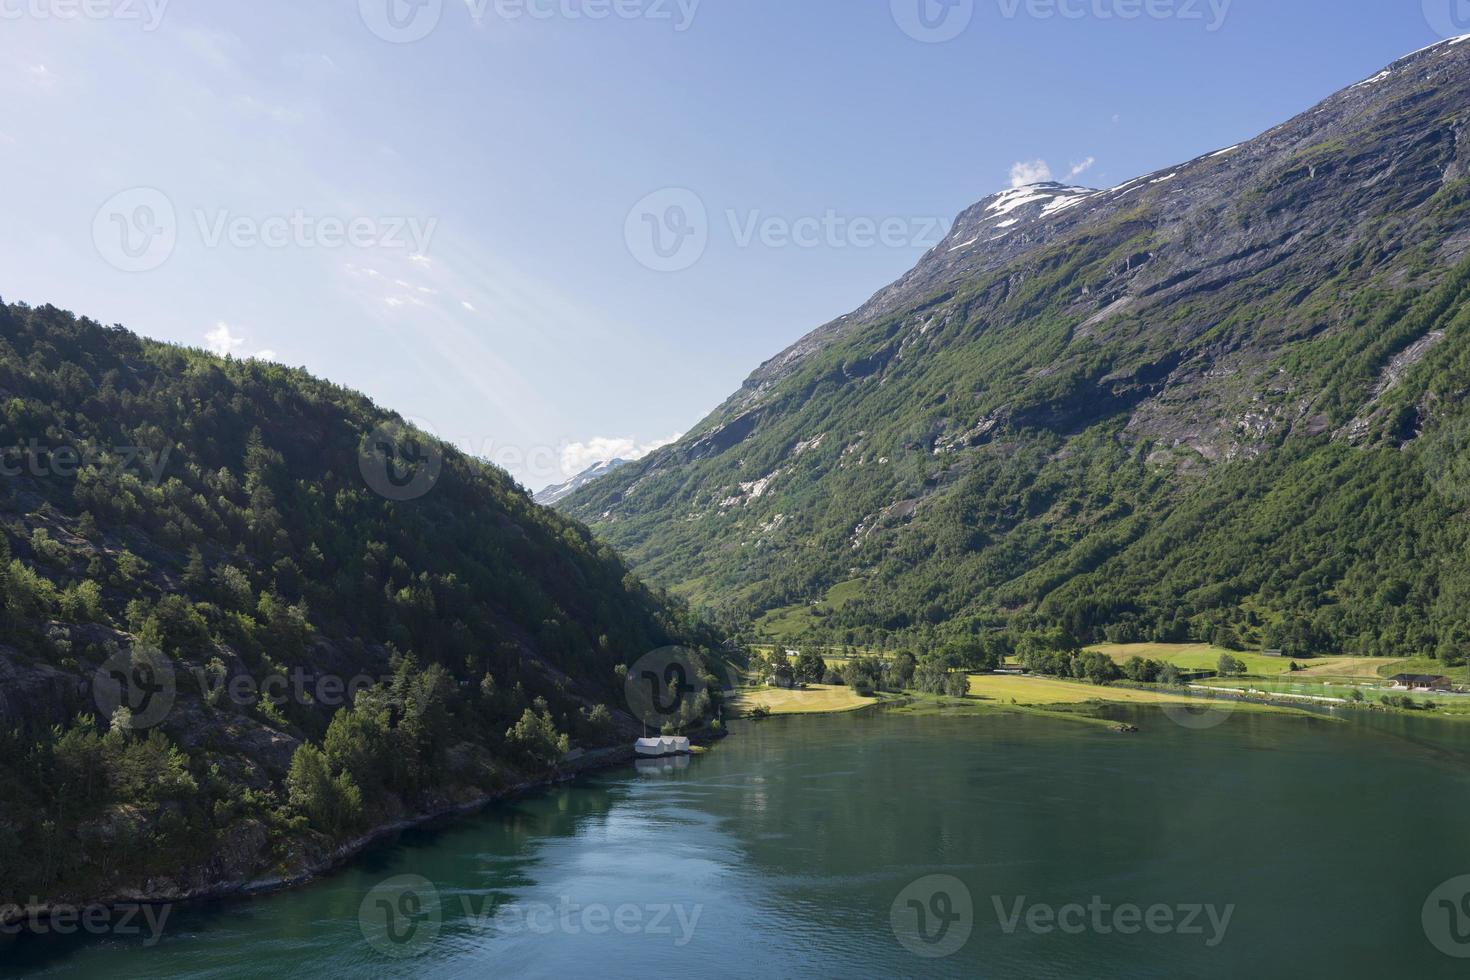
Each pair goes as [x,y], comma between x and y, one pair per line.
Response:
[653,748]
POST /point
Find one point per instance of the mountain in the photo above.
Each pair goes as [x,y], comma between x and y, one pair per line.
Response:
[558,492]
[198,555]
[1226,400]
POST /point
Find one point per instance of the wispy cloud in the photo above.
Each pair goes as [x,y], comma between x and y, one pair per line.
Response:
[1025,172]
[41,77]
[224,342]
[1078,169]
[579,456]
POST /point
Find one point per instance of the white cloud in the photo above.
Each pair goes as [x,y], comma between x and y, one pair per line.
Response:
[579,456]
[1078,169]
[41,76]
[1025,172]
[221,341]
[467,305]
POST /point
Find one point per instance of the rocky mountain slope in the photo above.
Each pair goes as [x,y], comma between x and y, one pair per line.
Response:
[1223,399]
[557,492]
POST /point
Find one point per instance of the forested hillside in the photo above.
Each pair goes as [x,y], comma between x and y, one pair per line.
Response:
[245,541]
[1225,401]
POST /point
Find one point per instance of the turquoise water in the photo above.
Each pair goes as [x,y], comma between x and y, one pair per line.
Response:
[1304,848]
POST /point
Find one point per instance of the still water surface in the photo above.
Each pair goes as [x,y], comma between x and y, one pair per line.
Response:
[1276,845]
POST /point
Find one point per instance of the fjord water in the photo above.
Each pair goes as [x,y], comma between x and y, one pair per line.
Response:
[782,852]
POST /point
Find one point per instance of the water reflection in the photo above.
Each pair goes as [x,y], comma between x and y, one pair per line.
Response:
[784,850]
[662,767]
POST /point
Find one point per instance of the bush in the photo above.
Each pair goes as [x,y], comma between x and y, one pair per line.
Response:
[536,741]
[1142,671]
[332,804]
[957,685]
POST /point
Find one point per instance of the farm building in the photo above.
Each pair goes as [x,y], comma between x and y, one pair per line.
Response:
[1420,682]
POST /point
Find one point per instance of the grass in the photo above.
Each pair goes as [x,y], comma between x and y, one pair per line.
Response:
[1368,668]
[1425,665]
[1034,691]
[816,699]
[1372,690]
[1040,696]
[1203,656]
[1049,695]
[790,621]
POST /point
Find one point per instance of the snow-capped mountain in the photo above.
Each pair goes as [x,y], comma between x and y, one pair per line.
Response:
[551,495]
[1157,404]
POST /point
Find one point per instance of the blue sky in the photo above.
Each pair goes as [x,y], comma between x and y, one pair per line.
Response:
[458,224]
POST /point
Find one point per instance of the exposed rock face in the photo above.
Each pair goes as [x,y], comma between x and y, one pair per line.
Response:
[1210,312]
[1296,201]
[36,696]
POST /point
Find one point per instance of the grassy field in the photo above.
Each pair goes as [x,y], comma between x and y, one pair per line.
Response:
[1425,665]
[1048,690]
[791,621]
[1372,690]
[1202,656]
[816,699]
[1036,695]
[1367,668]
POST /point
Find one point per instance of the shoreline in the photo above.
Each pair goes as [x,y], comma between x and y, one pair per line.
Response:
[595,760]
[612,757]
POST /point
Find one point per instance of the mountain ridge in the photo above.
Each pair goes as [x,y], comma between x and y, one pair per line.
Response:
[1302,285]
[550,496]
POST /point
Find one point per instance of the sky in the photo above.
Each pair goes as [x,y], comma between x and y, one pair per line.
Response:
[554,231]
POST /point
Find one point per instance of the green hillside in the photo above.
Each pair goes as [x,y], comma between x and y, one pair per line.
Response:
[1224,403]
[214,523]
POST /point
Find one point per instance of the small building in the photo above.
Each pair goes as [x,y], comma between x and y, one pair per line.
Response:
[663,745]
[1420,682]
